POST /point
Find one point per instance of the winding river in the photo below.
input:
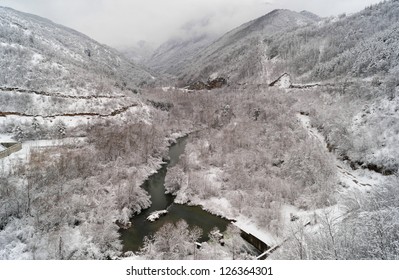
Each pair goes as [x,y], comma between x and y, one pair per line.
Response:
[133,237]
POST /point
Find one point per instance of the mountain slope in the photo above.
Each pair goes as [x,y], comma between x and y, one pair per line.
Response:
[235,54]
[52,76]
[139,52]
[360,45]
[302,44]
[358,58]
[41,55]
[174,53]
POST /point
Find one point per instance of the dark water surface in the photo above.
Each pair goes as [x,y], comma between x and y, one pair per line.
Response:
[132,238]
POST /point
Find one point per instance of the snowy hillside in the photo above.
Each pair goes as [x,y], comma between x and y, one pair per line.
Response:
[41,55]
[139,52]
[61,92]
[174,53]
[235,55]
[306,46]
[360,45]
[307,163]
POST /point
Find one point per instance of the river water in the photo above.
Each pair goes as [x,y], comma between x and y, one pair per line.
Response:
[132,238]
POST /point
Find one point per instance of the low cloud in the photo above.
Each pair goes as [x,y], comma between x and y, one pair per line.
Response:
[124,22]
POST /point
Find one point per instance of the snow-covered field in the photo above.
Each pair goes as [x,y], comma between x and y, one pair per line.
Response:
[22,157]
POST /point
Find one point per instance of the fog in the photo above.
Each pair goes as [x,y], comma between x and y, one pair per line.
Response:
[125,22]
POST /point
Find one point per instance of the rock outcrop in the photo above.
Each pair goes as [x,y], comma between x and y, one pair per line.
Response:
[211,84]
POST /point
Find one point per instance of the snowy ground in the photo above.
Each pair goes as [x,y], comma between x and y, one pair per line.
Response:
[352,183]
[5,138]
[167,89]
[250,227]
[156,215]
[361,180]
[22,156]
[221,206]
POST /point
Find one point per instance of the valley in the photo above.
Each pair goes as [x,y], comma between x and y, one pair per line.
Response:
[285,128]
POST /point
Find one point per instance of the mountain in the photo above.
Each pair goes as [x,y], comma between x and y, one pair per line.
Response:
[234,55]
[41,55]
[360,45]
[314,151]
[310,15]
[139,52]
[304,45]
[174,53]
[68,93]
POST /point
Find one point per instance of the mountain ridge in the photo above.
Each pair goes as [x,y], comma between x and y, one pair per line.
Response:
[52,57]
[236,45]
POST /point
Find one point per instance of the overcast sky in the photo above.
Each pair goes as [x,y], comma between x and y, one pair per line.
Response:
[124,22]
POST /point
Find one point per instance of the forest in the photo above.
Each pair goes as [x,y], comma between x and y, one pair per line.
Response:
[236,148]
[312,166]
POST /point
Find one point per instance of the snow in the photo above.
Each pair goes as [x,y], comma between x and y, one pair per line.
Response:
[214,76]
[37,58]
[22,156]
[216,206]
[285,82]
[13,45]
[5,138]
[132,256]
[305,120]
[222,207]
[361,180]
[167,89]
[213,174]
[334,19]
[216,233]
[156,215]
[55,43]
[251,228]
[352,182]
[307,218]
[378,121]
[177,135]
[300,22]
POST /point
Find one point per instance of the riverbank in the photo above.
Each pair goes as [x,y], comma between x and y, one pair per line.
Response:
[356,191]
[222,208]
[133,238]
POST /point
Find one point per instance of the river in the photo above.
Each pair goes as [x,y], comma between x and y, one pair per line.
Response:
[133,237]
